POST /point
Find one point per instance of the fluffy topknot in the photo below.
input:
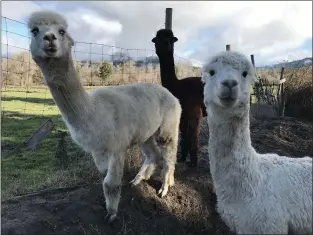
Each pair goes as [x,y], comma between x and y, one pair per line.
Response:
[233,58]
[46,18]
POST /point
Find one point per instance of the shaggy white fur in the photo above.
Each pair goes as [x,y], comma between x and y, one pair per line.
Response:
[256,193]
[110,120]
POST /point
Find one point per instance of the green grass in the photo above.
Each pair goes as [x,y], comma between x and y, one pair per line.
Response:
[32,170]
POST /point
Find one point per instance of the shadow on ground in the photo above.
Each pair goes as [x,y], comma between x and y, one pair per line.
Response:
[45,101]
[189,208]
[13,122]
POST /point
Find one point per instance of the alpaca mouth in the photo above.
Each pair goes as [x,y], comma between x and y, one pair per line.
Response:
[228,101]
[51,50]
[228,98]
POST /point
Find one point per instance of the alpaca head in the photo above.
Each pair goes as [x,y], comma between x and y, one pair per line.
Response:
[164,42]
[228,77]
[49,37]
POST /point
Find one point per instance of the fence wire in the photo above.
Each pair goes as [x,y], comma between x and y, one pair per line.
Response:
[22,79]
[27,103]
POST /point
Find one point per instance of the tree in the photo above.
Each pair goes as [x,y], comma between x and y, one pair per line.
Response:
[119,58]
[105,70]
[37,76]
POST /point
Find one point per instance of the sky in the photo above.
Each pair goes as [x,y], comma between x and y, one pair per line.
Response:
[274,31]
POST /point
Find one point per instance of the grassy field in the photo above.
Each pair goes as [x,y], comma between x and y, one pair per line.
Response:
[31,170]
[23,111]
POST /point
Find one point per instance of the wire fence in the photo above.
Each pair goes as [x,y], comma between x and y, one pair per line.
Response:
[27,108]
[20,74]
[26,104]
[23,90]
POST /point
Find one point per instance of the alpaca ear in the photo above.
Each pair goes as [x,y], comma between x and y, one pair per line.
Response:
[71,40]
[254,79]
[153,40]
[175,39]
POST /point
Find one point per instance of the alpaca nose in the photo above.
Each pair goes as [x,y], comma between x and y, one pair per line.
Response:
[49,37]
[230,83]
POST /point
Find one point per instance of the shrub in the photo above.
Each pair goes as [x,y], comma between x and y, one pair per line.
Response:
[299,92]
[37,77]
[105,70]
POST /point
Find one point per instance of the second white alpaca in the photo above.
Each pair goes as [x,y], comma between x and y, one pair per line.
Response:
[256,193]
[110,120]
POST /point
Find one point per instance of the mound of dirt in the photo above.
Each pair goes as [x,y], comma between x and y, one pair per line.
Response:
[189,208]
[287,136]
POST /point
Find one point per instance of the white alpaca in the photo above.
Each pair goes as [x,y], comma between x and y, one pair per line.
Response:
[110,120]
[256,193]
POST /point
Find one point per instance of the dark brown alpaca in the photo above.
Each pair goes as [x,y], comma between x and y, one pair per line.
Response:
[189,91]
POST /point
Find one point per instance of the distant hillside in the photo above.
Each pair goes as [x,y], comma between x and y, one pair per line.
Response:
[119,57]
[293,64]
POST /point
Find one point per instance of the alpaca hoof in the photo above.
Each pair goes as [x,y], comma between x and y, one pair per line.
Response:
[135,181]
[163,191]
[110,218]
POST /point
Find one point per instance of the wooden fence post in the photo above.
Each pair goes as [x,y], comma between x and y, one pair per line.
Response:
[227,47]
[168,18]
[282,93]
[253,63]
[252,60]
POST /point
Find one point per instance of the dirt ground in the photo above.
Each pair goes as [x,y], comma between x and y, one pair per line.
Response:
[189,207]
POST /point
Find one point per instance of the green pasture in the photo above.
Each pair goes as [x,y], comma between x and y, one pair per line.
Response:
[22,112]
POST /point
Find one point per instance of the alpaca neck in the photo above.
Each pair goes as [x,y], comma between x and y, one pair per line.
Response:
[231,132]
[67,91]
[167,67]
[232,157]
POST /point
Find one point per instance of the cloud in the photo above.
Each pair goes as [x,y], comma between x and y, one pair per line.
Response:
[89,26]
[18,10]
[266,29]
[12,44]
[290,56]
[272,31]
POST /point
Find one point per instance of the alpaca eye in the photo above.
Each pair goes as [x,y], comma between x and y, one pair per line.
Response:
[62,32]
[244,74]
[35,31]
[212,72]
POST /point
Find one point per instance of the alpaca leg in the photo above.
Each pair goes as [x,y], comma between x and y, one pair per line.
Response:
[112,185]
[150,151]
[167,141]
[155,157]
[169,151]
[101,160]
[168,145]
[184,144]
[194,141]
